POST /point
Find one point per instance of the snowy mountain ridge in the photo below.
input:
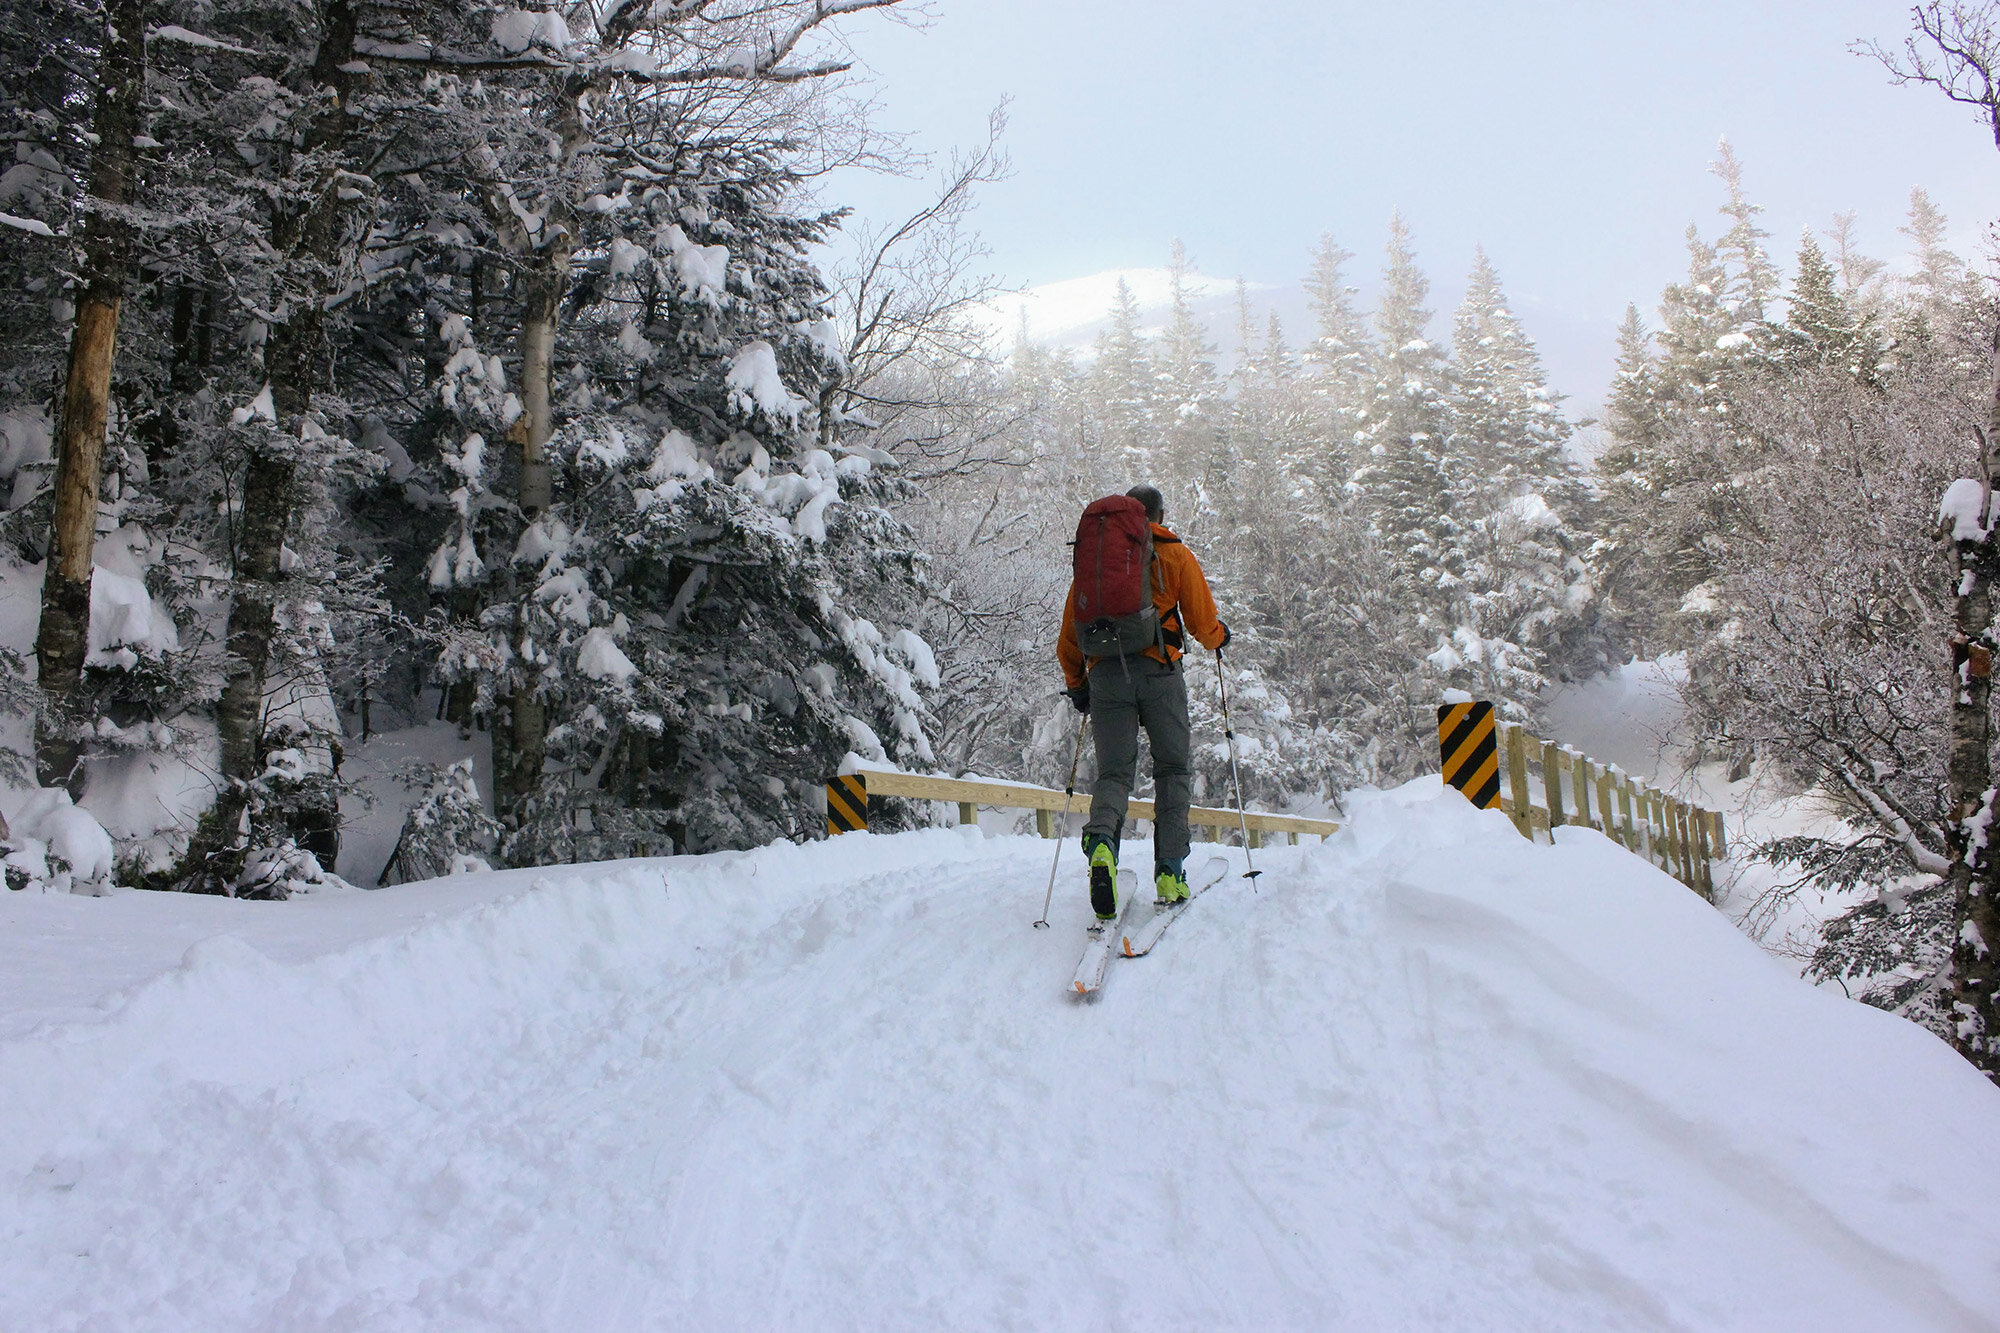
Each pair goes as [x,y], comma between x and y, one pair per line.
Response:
[1423,1076]
[1070,313]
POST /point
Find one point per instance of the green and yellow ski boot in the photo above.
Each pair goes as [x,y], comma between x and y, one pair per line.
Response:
[1170,884]
[1103,877]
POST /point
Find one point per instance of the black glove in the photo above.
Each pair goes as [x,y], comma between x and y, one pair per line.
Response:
[1225,637]
[1080,696]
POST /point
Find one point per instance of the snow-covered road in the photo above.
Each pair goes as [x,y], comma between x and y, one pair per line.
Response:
[1428,1077]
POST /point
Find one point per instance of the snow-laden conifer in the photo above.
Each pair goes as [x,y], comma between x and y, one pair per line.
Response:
[1401,476]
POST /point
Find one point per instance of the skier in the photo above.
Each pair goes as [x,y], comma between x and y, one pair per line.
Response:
[1122,690]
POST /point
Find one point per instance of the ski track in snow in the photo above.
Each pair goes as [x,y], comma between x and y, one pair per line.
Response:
[1425,1076]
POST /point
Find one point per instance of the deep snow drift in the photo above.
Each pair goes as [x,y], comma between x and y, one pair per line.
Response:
[1429,1076]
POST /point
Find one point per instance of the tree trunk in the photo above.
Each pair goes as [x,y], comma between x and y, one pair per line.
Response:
[520,742]
[295,362]
[63,639]
[1975,869]
[542,286]
[267,514]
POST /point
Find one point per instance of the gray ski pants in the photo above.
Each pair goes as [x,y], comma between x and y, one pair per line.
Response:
[1123,697]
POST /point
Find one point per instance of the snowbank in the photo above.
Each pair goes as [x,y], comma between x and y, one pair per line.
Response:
[1426,1076]
[57,847]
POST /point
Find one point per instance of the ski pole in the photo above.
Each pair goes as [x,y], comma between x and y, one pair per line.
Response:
[1069,790]
[1229,734]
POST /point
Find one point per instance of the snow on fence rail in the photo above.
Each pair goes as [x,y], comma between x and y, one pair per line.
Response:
[1681,839]
[847,805]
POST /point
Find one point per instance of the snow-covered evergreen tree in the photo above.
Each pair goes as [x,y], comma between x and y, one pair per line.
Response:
[1752,279]
[1187,394]
[1402,476]
[447,832]
[1341,359]
[1821,327]
[1520,504]
[1937,274]
[1121,389]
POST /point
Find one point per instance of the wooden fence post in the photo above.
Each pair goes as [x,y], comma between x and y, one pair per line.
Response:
[1687,847]
[1044,825]
[1605,810]
[1721,834]
[1579,768]
[968,813]
[1552,784]
[1704,873]
[1677,841]
[1663,809]
[1517,781]
[1655,827]
[1635,813]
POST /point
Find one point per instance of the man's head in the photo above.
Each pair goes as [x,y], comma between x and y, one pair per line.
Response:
[1149,496]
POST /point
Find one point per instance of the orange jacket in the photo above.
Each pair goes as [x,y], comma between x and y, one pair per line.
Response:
[1180,591]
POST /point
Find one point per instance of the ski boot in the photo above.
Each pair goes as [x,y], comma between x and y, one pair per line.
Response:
[1170,883]
[1103,877]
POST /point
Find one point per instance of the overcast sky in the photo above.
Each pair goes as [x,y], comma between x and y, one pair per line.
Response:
[1571,139]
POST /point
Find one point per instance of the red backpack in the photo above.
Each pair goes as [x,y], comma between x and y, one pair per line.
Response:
[1113,579]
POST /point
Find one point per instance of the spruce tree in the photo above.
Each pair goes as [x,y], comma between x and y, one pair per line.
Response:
[1340,360]
[1187,392]
[1402,473]
[1509,432]
[1820,328]
[1938,275]
[1518,503]
[1860,275]
[1121,389]
[1700,340]
[1752,279]
[1632,412]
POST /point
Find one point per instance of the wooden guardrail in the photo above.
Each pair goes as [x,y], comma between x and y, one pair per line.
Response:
[847,805]
[1491,762]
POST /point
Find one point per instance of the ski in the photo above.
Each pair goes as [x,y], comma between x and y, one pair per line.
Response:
[1105,937]
[1139,941]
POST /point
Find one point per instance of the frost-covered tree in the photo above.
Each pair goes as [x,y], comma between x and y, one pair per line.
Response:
[1121,388]
[1860,275]
[447,832]
[1752,279]
[1340,358]
[1187,392]
[1523,589]
[1827,592]
[1668,476]
[378,346]
[1821,326]
[1402,478]
[1937,274]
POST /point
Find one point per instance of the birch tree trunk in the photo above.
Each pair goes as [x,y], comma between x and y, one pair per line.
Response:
[542,275]
[63,638]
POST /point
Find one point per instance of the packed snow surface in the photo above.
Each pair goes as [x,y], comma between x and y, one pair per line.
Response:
[1426,1075]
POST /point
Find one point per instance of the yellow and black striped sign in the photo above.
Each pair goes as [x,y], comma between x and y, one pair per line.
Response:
[1471,753]
[847,805]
